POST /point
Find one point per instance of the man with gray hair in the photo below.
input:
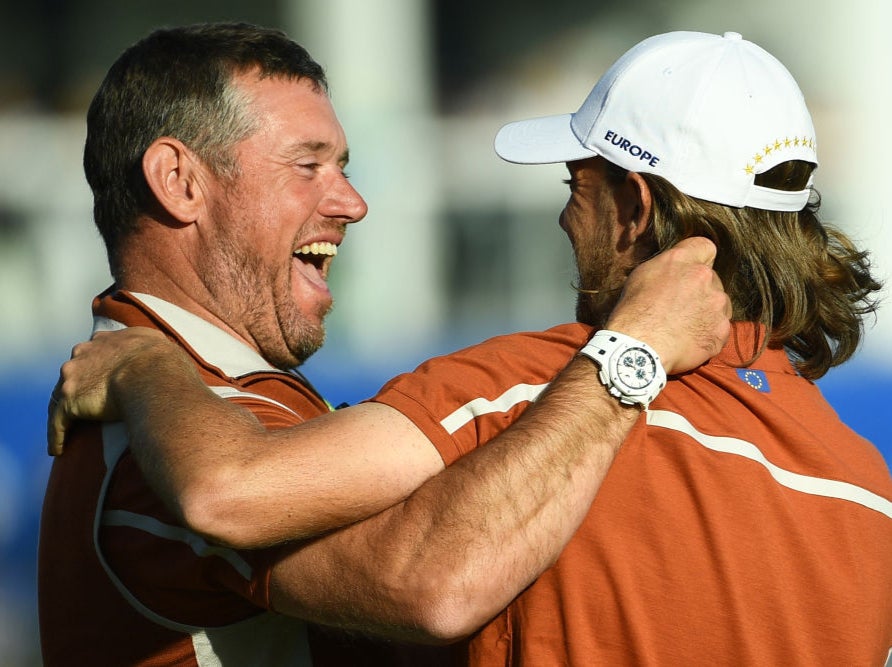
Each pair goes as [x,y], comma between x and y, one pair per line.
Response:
[217,165]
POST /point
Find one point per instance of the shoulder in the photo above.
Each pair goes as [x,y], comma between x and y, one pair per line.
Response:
[530,354]
[485,386]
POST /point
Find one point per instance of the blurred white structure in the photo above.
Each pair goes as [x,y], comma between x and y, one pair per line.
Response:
[377,58]
[436,191]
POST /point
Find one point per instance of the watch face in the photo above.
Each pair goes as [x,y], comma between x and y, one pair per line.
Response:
[636,368]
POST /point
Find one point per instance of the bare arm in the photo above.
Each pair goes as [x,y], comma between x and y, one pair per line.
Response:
[458,550]
[439,565]
[217,467]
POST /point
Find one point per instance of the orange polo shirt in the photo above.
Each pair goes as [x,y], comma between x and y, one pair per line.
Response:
[742,523]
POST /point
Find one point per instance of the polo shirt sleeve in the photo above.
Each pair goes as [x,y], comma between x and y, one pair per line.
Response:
[462,400]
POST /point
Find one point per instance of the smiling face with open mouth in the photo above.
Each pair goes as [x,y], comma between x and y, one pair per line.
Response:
[316,258]
[277,225]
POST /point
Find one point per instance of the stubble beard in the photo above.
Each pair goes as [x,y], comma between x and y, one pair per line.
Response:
[599,283]
[284,336]
[594,309]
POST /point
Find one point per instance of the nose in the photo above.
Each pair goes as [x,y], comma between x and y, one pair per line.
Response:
[343,202]
[562,220]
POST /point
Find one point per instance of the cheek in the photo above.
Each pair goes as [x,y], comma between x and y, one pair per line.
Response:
[296,209]
[574,218]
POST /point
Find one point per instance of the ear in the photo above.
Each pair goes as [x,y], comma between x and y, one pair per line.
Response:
[637,206]
[172,173]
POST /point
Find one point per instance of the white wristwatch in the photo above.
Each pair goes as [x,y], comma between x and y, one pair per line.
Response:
[630,369]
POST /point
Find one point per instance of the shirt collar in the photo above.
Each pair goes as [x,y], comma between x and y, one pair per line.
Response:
[744,343]
[211,343]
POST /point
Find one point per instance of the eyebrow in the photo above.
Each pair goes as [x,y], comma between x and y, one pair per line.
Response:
[314,146]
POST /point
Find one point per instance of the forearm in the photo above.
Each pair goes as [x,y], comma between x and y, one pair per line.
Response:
[171,418]
[237,483]
[470,539]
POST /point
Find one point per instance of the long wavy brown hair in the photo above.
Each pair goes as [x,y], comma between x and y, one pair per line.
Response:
[804,280]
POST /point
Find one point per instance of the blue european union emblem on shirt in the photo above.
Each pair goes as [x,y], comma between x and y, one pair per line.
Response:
[755,379]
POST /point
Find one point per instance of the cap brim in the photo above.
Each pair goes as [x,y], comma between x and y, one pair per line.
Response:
[540,141]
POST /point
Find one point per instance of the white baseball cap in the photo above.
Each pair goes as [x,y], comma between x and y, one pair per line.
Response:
[706,112]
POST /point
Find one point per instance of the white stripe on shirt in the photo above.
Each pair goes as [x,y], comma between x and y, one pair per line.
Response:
[234,392]
[166,531]
[816,486]
[519,393]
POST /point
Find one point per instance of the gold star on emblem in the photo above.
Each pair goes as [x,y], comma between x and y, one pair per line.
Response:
[749,169]
[777,145]
[758,159]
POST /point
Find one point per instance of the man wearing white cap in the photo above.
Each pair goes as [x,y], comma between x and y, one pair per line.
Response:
[741,522]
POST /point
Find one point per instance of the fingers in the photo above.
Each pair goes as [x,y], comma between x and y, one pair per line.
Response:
[62,408]
[59,416]
[57,422]
[676,303]
[82,391]
[697,249]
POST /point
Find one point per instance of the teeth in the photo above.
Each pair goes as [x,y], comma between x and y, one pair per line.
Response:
[323,248]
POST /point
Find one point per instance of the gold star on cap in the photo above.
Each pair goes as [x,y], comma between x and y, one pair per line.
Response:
[776,146]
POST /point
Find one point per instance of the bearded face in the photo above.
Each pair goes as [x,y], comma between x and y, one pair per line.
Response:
[599,276]
[273,230]
[591,221]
